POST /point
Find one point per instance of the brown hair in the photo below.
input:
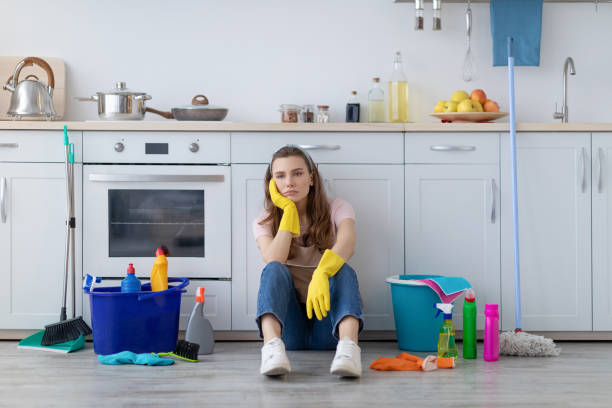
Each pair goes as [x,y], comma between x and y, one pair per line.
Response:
[320,233]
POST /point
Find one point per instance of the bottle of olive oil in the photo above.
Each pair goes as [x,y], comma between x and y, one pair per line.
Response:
[398,92]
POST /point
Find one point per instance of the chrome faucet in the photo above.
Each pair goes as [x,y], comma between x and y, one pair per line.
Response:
[569,62]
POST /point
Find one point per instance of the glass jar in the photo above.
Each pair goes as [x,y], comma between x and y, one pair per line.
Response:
[308,113]
[289,113]
[322,114]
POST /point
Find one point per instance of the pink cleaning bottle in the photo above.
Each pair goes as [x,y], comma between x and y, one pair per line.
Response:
[491,333]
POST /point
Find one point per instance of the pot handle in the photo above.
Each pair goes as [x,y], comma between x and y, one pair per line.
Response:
[167,115]
[90,99]
[199,100]
[28,62]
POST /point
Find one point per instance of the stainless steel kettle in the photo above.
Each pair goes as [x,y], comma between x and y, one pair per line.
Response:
[31,97]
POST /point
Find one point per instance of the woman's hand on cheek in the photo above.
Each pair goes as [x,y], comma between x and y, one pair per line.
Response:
[278,199]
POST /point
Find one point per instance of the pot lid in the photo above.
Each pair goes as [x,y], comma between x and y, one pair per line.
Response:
[120,89]
[200,102]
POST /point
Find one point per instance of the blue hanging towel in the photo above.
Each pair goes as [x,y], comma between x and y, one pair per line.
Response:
[521,20]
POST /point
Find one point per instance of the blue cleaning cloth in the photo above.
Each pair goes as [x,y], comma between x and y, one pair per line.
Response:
[127,357]
[448,284]
[521,20]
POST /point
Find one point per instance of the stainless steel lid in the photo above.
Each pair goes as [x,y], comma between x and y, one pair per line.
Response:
[120,89]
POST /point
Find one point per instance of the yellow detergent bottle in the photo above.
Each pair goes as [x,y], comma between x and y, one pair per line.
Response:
[159,273]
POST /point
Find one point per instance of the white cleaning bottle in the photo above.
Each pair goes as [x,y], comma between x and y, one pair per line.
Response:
[199,329]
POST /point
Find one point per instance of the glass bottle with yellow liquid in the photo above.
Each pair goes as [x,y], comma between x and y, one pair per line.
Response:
[376,102]
[398,92]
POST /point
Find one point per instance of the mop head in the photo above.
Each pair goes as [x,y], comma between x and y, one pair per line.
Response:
[524,344]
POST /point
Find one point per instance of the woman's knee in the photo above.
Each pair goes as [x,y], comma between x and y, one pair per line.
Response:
[276,272]
[346,272]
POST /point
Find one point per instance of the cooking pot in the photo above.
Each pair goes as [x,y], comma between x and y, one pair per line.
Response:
[31,97]
[198,110]
[121,103]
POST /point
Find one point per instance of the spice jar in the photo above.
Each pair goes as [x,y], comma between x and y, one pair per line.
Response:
[308,114]
[289,113]
[322,113]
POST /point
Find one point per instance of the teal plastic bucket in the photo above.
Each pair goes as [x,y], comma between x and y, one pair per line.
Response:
[416,326]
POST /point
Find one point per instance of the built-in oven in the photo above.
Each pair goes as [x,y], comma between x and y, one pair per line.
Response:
[143,191]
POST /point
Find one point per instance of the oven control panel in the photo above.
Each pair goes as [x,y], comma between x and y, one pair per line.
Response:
[156,147]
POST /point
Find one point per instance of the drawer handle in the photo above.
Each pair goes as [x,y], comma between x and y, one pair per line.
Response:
[9,144]
[176,178]
[319,147]
[447,148]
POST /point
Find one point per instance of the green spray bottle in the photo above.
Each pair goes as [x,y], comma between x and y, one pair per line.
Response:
[446,340]
[469,325]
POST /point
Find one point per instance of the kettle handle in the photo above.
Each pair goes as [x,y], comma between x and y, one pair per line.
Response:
[28,62]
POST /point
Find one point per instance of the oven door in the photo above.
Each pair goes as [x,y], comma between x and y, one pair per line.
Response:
[131,210]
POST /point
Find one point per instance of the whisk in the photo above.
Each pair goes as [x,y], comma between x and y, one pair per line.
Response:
[469,65]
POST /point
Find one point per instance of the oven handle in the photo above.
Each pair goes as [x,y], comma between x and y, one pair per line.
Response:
[174,178]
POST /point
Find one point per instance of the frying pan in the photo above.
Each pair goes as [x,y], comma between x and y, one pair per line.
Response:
[198,110]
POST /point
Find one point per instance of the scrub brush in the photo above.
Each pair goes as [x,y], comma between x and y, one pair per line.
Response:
[184,350]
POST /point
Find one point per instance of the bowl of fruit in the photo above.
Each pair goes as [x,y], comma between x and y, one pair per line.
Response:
[464,107]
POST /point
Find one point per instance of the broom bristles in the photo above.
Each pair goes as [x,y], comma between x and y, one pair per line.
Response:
[66,330]
[524,344]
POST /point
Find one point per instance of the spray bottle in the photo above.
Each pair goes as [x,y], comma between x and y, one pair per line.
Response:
[469,325]
[446,341]
[199,330]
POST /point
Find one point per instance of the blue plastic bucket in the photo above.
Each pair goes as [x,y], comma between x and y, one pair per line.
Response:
[141,322]
[414,312]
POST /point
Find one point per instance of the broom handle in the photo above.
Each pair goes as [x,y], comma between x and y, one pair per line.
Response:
[72,239]
[515,226]
[68,233]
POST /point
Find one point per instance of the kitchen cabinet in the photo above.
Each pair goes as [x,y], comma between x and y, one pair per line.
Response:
[33,227]
[602,230]
[32,243]
[375,191]
[554,200]
[453,213]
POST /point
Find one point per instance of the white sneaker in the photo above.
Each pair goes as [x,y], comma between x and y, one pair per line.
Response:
[274,360]
[347,361]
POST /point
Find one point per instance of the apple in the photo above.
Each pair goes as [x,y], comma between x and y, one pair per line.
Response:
[450,106]
[478,95]
[491,106]
[469,105]
[459,96]
[439,107]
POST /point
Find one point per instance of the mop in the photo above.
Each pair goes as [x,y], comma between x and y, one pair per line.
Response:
[517,342]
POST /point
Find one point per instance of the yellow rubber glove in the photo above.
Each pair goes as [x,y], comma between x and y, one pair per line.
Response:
[290,220]
[318,289]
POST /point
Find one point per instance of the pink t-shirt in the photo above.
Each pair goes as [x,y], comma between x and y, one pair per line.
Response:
[339,208]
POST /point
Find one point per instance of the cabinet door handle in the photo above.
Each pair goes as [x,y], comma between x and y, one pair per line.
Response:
[599,165]
[319,147]
[583,169]
[448,148]
[3,200]
[493,200]
[9,144]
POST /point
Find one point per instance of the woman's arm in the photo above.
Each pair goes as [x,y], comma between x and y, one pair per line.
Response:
[275,249]
[345,239]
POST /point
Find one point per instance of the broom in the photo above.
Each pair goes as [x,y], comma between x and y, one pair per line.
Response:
[517,342]
[67,329]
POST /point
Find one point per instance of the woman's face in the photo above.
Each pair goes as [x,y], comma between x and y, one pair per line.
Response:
[292,177]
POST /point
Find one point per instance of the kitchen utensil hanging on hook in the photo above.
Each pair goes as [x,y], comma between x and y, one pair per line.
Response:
[469,65]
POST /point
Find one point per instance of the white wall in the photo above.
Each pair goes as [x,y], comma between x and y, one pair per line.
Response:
[251,56]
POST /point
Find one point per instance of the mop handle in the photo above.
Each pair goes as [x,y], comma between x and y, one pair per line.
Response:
[517,270]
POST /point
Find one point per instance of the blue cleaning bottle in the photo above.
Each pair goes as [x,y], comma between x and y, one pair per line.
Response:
[130,283]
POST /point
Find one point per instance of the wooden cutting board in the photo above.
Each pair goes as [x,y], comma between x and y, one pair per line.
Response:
[7,67]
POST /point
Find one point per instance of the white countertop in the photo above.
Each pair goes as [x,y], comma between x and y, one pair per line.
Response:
[189,126]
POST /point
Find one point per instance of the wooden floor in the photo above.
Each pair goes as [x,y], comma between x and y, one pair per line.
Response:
[581,377]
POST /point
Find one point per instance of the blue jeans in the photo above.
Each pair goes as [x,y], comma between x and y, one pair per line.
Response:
[277,296]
